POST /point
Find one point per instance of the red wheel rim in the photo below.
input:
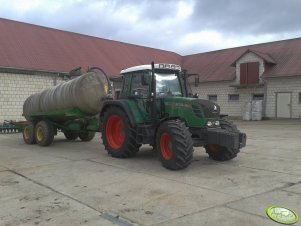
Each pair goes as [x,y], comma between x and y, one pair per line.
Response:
[165,146]
[115,131]
[214,148]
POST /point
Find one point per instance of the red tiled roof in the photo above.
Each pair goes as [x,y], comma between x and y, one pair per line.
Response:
[34,47]
[266,57]
[216,65]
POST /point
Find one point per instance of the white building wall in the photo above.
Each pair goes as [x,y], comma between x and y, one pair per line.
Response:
[284,84]
[222,90]
[15,88]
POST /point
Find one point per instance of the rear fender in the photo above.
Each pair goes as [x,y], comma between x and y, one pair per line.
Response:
[122,105]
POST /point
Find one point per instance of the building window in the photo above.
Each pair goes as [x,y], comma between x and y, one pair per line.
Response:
[299,98]
[249,73]
[233,97]
[258,96]
[212,98]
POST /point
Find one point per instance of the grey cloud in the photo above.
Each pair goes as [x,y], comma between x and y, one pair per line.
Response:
[248,17]
[157,10]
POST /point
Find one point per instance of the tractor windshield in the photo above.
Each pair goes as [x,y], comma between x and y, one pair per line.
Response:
[167,85]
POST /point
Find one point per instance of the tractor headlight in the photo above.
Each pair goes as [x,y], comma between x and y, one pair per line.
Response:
[213,123]
[209,123]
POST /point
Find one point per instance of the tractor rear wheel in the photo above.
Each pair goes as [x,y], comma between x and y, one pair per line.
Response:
[44,133]
[118,136]
[29,133]
[220,153]
[86,136]
[70,135]
[174,144]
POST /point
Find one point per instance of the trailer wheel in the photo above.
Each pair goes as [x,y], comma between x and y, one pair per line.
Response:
[70,135]
[174,144]
[29,133]
[118,136]
[220,153]
[44,133]
[86,136]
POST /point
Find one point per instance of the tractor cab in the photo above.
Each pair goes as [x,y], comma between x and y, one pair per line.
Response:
[144,85]
[137,81]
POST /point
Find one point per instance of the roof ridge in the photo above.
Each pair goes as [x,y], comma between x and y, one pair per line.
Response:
[246,46]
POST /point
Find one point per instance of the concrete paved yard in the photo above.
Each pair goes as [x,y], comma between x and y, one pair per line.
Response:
[75,183]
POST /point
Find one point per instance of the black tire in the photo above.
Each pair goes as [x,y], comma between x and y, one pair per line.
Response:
[118,136]
[228,126]
[174,145]
[29,133]
[219,153]
[86,136]
[44,133]
[70,136]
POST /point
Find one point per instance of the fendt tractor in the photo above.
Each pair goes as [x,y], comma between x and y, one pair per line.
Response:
[155,107]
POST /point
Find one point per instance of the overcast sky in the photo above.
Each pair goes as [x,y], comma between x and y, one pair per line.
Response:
[182,26]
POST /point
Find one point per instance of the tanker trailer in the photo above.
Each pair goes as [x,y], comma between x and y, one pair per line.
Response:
[70,107]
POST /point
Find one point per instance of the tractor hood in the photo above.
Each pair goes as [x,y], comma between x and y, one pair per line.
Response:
[204,109]
[210,109]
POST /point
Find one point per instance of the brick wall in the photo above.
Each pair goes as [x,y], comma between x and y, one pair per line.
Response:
[15,88]
[222,90]
[287,84]
[117,85]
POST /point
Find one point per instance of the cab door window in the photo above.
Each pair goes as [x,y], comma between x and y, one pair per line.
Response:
[125,86]
[140,89]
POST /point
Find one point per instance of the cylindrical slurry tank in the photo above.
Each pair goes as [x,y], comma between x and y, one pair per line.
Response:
[86,92]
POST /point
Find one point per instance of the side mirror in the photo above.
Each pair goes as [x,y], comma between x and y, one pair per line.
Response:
[145,79]
[196,95]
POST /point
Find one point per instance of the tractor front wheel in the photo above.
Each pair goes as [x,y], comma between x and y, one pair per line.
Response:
[44,133]
[118,136]
[174,144]
[29,133]
[220,153]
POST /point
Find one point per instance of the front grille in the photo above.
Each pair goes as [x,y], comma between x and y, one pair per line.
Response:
[197,110]
[205,108]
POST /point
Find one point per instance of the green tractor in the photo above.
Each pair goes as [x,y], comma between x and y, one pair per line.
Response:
[156,107]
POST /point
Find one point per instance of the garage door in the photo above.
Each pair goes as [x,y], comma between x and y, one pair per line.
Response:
[284,105]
